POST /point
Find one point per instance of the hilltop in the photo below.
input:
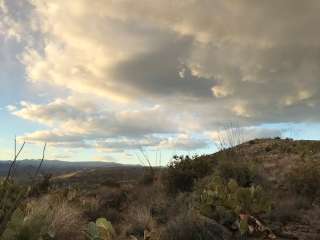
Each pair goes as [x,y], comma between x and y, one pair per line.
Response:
[275,156]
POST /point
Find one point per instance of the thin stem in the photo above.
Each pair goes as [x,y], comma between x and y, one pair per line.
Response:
[14,161]
[39,167]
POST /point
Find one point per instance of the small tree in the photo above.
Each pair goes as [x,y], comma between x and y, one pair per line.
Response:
[183,171]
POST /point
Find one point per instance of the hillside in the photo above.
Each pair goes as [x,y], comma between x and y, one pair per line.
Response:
[275,156]
[261,189]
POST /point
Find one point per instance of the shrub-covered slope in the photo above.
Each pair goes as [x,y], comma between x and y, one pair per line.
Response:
[261,189]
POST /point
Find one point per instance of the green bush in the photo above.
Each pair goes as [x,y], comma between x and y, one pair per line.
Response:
[183,171]
[46,219]
[11,195]
[245,173]
[21,227]
[304,179]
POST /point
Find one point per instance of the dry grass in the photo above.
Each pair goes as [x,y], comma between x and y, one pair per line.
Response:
[67,222]
[58,216]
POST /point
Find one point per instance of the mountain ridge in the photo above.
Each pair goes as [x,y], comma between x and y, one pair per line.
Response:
[26,167]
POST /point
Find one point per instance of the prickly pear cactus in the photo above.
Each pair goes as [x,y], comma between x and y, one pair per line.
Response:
[225,202]
[93,232]
[100,230]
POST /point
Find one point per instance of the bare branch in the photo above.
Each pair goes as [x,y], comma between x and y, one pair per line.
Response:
[43,155]
[146,158]
[140,160]
[14,160]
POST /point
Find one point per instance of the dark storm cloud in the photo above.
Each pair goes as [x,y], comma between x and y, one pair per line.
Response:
[162,72]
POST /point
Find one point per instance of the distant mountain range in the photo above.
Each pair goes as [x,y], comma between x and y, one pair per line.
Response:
[27,167]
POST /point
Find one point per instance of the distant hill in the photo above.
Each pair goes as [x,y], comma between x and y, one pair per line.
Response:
[27,167]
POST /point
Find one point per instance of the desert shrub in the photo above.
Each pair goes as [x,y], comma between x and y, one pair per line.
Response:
[104,203]
[113,215]
[45,219]
[42,187]
[226,201]
[302,203]
[113,198]
[11,195]
[245,173]
[284,211]
[140,220]
[92,208]
[159,212]
[190,226]
[141,215]
[66,221]
[147,178]
[20,228]
[109,182]
[183,171]
[304,179]
[135,230]
[268,149]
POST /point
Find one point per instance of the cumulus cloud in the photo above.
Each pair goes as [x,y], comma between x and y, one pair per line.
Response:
[75,123]
[60,110]
[171,67]
[247,57]
[77,120]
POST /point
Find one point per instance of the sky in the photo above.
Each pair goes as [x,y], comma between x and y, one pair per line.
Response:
[102,80]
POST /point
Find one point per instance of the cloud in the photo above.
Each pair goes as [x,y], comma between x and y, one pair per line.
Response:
[58,111]
[86,117]
[252,62]
[61,156]
[11,108]
[103,159]
[138,59]
[184,142]
[76,123]
[83,124]
[158,73]
[124,144]
[165,67]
